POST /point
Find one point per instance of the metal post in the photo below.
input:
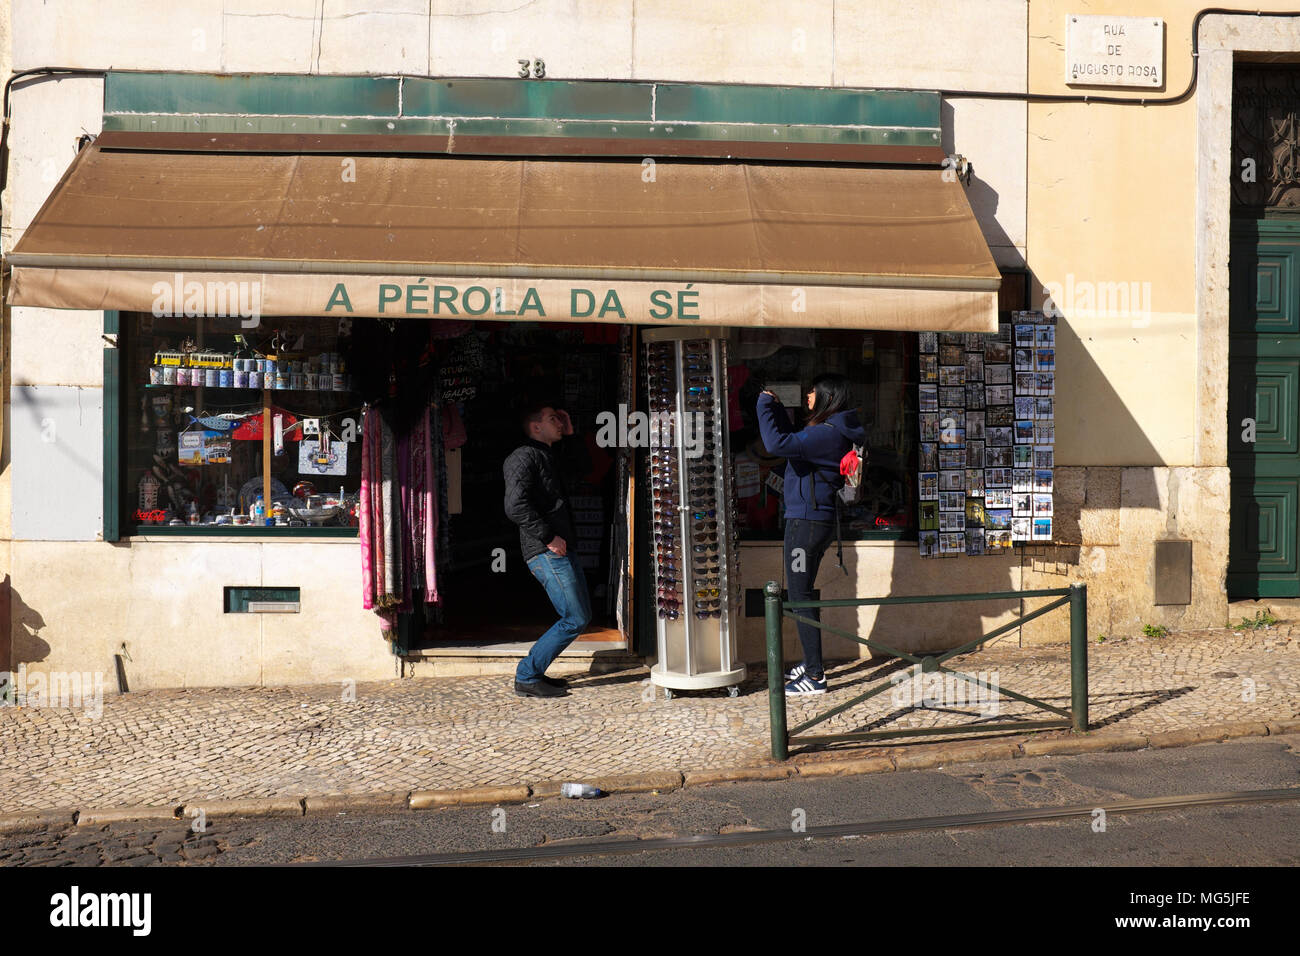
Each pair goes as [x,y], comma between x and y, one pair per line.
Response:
[775,672]
[1079,656]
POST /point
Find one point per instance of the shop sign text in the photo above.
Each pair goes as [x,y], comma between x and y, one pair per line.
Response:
[433,299]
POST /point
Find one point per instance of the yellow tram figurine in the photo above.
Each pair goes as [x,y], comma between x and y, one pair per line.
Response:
[174,359]
[209,360]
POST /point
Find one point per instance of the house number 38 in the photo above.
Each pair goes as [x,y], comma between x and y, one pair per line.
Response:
[534,68]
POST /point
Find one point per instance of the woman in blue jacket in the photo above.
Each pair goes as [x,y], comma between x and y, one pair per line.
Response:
[812,480]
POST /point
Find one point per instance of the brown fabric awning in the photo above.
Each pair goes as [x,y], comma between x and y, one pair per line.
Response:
[725,243]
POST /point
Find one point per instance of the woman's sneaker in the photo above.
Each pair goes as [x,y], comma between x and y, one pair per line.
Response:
[806,685]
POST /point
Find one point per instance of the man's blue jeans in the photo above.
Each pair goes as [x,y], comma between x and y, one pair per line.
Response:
[566,586]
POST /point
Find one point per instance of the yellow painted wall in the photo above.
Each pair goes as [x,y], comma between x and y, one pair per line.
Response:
[1111,198]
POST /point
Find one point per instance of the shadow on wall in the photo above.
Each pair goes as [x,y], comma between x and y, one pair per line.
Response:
[25,623]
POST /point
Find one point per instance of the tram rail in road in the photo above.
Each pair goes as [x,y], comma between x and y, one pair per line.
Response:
[867,828]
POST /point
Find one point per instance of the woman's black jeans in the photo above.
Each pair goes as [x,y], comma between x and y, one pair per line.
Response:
[805,543]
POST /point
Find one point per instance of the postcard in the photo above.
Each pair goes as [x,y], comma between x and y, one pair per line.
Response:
[1042,505]
[974,366]
[952,480]
[974,341]
[998,436]
[1045,432]
[950,338]
[1043,407]
[975,426]
[974,513]
[928,341]
[1025,406]
[999,519]
[952,501]
[952,395]
[928,543]
[1022,504]
[1004,332]
[1042,479]
[929,426]
[1044,456]
[928,398]
[952,543]
[974,454]
[952,375]
[1045,336]
[928,488]
[1024,360]
[1022,479]
[951,437]
[997,478]
[1045,382]
[999,457]
[1026,383]
[1023,457]
[998,395]
[1046,360]
[999,415]
[975,542]
[998,499]
[950,355]
[974,395]
[975,482]
[996,353]
[995,541]
[1020,529]
[927,458]
[929,368]
[1024,336]
[952,521]
[997,375]
[929,519]
[1042,529]
[950,458]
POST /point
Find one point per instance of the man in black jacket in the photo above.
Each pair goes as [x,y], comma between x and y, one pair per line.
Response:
[537,500]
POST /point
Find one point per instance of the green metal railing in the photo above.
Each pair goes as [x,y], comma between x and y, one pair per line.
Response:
[1076,596]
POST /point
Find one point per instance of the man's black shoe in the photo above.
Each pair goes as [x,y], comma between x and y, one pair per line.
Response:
[538,688]
[555,681]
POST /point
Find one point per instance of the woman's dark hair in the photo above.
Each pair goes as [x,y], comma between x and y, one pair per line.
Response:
[831,395]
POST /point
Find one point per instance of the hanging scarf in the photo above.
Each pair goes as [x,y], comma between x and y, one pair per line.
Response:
[398,523]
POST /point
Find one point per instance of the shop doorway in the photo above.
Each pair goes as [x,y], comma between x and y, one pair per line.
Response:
[489,597]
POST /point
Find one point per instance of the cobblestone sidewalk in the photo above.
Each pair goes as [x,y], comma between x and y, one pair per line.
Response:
[160,748]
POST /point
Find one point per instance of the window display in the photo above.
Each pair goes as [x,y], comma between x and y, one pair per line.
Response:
[883,370]
[210,405]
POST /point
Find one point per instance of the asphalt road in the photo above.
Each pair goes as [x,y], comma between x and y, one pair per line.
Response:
[1259,834]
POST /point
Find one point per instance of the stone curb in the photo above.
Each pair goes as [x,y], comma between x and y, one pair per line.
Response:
[471,796]
[121,814]
[253,807]
[911,758]
[32,821]
[343,802]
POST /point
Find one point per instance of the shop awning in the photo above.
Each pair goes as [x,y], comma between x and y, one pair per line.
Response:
[658,242]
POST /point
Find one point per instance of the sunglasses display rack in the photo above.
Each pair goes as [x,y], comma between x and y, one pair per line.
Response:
[697,593]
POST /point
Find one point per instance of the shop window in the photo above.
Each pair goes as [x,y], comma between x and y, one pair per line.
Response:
[882,368]
[196,393]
